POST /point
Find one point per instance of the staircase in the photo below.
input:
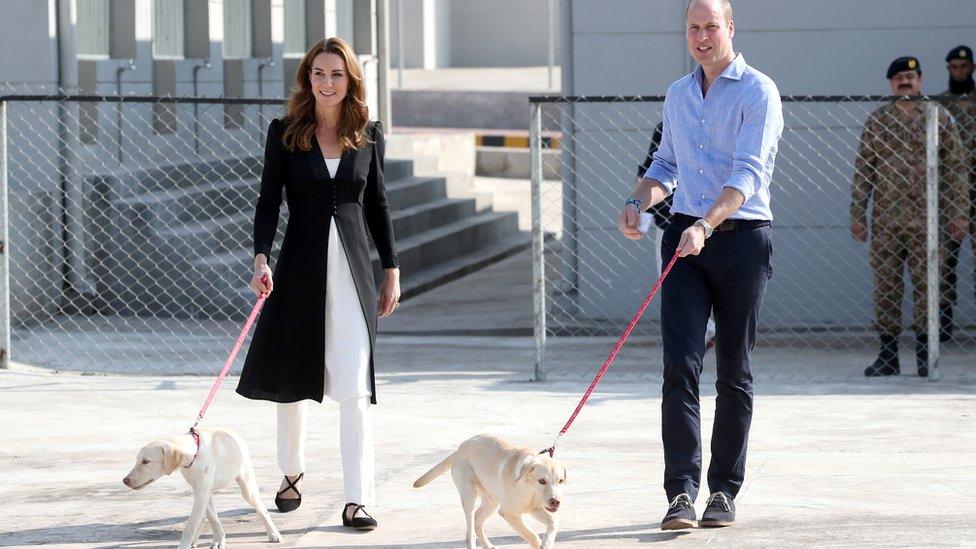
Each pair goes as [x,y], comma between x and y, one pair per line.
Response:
[177,241]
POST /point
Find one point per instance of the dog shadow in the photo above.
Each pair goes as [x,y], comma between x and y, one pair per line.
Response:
[637,533]
[104,535]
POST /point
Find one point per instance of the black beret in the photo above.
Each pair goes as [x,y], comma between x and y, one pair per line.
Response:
[960,52]
[903,64]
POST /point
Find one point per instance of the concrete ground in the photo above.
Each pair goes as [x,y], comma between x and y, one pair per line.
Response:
[834,459]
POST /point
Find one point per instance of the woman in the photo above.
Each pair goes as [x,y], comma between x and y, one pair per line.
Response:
[316,334]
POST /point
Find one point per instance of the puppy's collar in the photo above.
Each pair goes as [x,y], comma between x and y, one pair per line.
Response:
[196,438]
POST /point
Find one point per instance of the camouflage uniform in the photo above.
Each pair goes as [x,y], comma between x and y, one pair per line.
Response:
[963,110]
[891,170]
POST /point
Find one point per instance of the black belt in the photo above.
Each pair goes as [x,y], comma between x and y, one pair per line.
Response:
[727,225]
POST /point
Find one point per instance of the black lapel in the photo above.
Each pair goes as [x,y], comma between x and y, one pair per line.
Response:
[317,162]
[347,166]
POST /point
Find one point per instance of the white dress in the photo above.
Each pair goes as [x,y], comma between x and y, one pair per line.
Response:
[346,335]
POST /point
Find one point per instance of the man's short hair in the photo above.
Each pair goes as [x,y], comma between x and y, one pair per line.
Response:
[726,7]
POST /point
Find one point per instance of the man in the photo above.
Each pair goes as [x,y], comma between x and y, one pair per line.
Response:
[960,103]
[891,170]
[959,62]
[722,124]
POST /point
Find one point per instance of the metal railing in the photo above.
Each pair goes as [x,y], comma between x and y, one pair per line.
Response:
[821,307]
[126,228]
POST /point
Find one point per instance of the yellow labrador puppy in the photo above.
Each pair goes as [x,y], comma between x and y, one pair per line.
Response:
[514,481]
[222,457]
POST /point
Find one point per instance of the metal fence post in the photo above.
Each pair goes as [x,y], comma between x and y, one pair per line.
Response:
[551,46]
[932,235]
[4,263]
[538,244]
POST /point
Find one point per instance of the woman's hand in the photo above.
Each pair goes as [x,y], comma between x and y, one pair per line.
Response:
[390,292]
[261,282]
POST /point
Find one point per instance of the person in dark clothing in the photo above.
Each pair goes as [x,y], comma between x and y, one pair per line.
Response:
[317,332]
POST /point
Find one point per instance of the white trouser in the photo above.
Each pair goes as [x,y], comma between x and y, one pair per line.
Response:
[658,237]
[347,349]
[355,445]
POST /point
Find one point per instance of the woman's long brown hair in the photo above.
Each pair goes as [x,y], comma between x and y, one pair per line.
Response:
[300,110]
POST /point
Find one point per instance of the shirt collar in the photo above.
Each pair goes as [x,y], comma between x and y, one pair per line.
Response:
[733,71]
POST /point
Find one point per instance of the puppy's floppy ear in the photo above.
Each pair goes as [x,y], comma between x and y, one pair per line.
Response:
[562,472]
[524,465]
[172,457]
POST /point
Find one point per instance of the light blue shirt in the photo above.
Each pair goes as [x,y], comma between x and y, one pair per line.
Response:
[728,138]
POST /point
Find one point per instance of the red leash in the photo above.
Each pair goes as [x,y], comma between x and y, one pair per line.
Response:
[227,365]
[613,354]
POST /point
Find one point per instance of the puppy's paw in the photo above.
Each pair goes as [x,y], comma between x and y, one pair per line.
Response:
[274,537]
[219,543]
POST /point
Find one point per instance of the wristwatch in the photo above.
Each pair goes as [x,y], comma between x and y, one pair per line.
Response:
[638,203]
[705,227]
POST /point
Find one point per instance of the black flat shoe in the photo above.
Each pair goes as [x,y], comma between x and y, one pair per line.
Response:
[359,523]
[290,504]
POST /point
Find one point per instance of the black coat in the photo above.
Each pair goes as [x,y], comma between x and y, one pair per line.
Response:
[286,359]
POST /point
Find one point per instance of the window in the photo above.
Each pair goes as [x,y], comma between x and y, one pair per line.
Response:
[237,29]
[167,26]
[93,28]
[294,43]
[344,20]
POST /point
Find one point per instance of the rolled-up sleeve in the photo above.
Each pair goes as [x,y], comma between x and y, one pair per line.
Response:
[755,147]
[664,168]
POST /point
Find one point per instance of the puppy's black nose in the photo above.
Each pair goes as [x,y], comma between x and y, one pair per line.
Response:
[126,481]
[554,502]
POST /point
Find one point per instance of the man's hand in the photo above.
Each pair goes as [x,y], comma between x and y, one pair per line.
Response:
[859,231]
[958,228]
[627,221]
[692,241]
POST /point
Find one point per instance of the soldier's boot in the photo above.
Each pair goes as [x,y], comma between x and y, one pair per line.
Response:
[887,362]
[922,354]
[945,323]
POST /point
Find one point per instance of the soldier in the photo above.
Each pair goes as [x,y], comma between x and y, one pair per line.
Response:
[891,170]
[962,106]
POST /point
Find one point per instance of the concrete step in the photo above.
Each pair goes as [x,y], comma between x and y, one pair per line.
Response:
[237,303]
[395,169]
[411,221]
[162,209]
[159,210]
[168,228]
[229,233]
[515,162]
[413,191]
[188,175]
[211,280]
[439,244]
[458,267]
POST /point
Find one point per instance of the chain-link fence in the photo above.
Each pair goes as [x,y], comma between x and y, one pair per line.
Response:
[129,226]
[846,167]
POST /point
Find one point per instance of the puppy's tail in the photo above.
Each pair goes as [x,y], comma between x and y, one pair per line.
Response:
[435,472]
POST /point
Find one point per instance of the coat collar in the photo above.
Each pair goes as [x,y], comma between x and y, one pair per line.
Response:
[321,171]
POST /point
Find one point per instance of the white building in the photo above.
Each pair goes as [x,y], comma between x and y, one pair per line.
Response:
[822,47]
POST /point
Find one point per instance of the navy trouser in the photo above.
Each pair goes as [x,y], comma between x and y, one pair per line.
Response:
[728,278]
